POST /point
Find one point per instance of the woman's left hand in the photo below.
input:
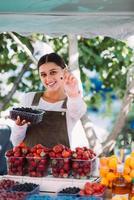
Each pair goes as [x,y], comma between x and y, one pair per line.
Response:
[70,84]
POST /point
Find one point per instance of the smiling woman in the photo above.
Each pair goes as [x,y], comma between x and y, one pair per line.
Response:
[62,103]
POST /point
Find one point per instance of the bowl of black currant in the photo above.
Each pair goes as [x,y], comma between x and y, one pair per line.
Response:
[69,191]
[34,116]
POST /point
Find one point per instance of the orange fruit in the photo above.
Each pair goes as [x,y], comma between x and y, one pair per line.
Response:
[132,163]
[113,163]
[132,154]
[127,178]
[127,169]
[104,181]
[103,161]
[104,171]
[110,176]
[127,161]
[132,173]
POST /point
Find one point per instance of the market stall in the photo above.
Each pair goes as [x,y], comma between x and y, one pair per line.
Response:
[85,18]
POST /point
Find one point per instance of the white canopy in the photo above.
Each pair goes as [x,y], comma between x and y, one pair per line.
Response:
[114,18]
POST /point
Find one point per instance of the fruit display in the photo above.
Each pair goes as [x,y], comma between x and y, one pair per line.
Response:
[34,162]
[10,190]
[29,114]
[16,161]
[38,161]
[7,184]
[108,169]
[69,191]
[60,161]
[93,189]
[83,162]
[28,188]
[12,195]
[129,168]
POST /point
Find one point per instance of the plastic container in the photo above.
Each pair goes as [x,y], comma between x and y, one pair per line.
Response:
[96,194]
[13,196]
[68,191]
[90,198]
[66,198]
[29,114]
[101,195]
[41,197]
[6,184]
[37,166]
[61,167]
[82,169]
[16,166]
[21,188]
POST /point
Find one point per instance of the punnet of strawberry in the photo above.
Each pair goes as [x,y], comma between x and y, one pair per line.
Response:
[16,160]
[60,161]
[93,189]
[38,161]
[83,162]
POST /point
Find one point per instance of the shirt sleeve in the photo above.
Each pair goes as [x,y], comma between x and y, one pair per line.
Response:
[18,133]
[76,107]
[26,99]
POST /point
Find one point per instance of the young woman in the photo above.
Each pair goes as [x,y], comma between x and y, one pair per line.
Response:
[61,101]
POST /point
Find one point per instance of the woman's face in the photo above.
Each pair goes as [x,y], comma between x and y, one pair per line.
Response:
[50,75]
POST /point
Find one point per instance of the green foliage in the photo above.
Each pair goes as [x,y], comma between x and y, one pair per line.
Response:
[110,58]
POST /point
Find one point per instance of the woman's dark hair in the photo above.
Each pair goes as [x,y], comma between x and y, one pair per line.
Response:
[52,57]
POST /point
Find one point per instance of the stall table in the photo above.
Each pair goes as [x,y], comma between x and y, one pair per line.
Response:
[50,185]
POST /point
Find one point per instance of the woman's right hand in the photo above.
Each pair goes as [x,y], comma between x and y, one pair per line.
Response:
[20,122]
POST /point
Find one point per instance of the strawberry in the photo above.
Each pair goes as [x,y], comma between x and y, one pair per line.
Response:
[87,185]
[66,167]
[9,153]
[33,174]
[39,146]
[17,154]
[65,175]
[38,151]
[16,149]
[86,170]
[82,193]
[62,171]
[88,191]
[43,161]
[75,165]
[22,145]
[79,149]
[33,164]
[41,168]
[85,155]
[52,154]
[58,155]
[66,154]
[58,148]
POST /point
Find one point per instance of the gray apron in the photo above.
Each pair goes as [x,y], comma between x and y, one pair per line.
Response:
[51,130]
